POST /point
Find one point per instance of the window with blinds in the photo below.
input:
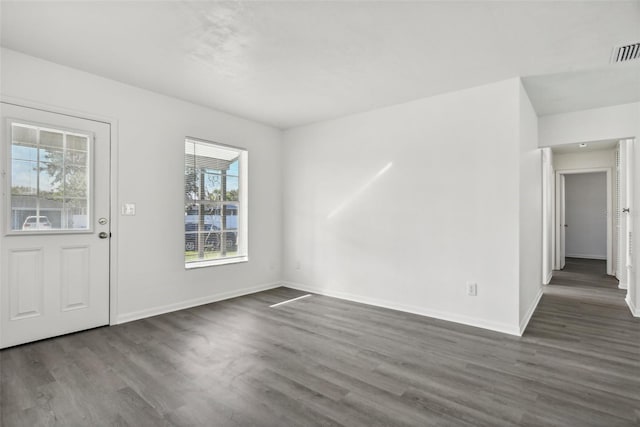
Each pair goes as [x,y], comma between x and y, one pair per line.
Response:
[215,191]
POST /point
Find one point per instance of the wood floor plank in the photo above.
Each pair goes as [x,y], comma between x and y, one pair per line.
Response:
[325,361]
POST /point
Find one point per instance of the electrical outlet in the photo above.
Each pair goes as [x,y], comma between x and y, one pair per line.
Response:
[472,289]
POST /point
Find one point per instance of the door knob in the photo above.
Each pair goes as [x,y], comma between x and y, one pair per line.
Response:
[103,235]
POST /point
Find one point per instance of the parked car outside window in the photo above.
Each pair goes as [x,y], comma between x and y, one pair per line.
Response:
[36,223]
[212,237]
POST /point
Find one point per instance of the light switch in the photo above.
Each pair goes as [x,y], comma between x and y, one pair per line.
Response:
[128,209]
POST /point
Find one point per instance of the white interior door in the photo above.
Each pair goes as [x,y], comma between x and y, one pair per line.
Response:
[628,210]
[55,218]
[618,227]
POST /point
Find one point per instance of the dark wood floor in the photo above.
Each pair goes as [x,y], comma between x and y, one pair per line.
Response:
[323,361]
[585,272]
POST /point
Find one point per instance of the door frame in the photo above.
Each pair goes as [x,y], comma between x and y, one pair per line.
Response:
[560,196]
[627,164]
[113,185]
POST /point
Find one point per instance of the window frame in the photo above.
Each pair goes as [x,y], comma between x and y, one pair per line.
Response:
[242,231]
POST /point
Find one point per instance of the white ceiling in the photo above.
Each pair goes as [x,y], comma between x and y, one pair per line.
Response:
[584,89]
[292,63]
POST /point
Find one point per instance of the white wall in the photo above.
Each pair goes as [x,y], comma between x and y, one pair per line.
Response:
[615,122]
[401,206]
[548,206]
[610,123]
[586,215]
[151,129]
[530,216]
[586,160]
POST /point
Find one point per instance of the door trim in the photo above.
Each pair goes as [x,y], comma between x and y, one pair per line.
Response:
[113,184]
[628,145]
[558,230]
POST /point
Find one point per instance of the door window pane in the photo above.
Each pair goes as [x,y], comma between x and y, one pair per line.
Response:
[50,172]
[24,177]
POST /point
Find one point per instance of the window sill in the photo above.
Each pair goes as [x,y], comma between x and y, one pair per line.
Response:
[215,262]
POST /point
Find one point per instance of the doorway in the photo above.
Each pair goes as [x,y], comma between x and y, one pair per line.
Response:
[584,220]
[55,244]
[616,159]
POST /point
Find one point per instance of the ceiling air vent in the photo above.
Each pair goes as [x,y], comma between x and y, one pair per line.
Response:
[626,53]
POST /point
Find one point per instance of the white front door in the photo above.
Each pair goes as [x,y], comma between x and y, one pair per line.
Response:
[54,248]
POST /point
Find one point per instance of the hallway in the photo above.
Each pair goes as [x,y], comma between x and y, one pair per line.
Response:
[585,285]
[580,272]
[583,291]
[584,325]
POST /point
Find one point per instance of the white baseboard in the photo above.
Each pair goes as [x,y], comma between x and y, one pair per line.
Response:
[532,308]
[450,317]
[634,310]
[547,279]
[154,311]
[587,256]
[622,285]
